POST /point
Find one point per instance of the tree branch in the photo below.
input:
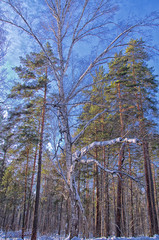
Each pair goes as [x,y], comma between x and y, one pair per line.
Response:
[97,59]
[91,160]
[80,153]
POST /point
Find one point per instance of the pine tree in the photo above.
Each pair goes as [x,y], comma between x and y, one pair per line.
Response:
[102,129]
[135,90]
[34,74]
[144,87]
[118,75]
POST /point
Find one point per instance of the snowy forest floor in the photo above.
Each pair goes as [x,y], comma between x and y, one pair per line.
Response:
[16,236]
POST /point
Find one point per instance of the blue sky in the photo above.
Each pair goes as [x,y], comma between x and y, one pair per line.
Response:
[138,7]
[20,44]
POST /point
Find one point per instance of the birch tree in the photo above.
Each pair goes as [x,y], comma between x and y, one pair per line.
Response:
[67,24]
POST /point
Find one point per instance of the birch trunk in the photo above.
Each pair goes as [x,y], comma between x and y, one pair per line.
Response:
[73,221]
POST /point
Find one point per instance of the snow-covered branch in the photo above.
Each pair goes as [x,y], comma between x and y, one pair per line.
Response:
[80,153]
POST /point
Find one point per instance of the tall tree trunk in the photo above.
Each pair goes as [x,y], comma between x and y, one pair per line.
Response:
[13,218]
[25,192]
[98,212]
[131,197]
[106,180]
[120,165]
[114,203]
[74,228]
[87,211]
[155,190]
[93,200]
[64,128]
[67,217]
[81,227]
[60,217]
[37,199]
[32,182]
[153,223]
[123,211]
[119,192]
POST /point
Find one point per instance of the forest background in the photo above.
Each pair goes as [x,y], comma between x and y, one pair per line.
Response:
[79,123]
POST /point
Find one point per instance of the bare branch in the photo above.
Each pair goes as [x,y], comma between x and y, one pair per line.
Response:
[16,25]
[98,58]
[30,32]
[86,28]
[52,9]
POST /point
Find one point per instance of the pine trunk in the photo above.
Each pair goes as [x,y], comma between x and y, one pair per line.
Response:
[119,193]
[60,215]
[114,204]
[37,199]
[153,223]
[131,198]
[13,218]
[124,232]
[87,211]
[106,180]
[98,213]
[25,192]
[93,200]
[155,190]
[32,182]
[120,165]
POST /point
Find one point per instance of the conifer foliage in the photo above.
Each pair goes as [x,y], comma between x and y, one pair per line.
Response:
[129,90]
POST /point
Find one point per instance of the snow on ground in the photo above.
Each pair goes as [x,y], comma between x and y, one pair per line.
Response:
[16,236]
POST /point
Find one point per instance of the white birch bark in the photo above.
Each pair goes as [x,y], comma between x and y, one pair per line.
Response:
[80,153]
